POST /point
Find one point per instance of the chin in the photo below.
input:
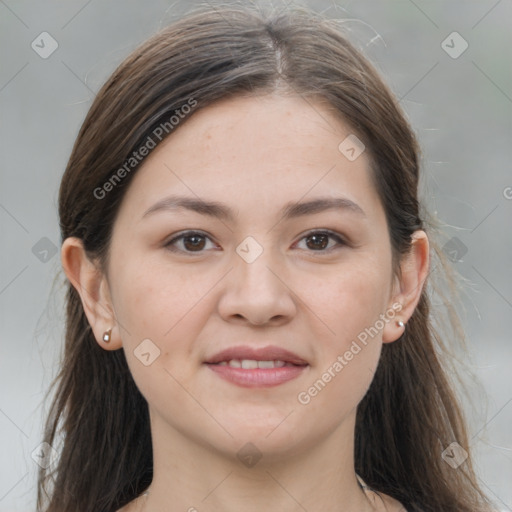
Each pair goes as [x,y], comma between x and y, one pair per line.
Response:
[274,432]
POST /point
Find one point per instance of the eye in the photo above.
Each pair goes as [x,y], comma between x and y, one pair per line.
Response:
[196,241]
[319,240]
[189,241]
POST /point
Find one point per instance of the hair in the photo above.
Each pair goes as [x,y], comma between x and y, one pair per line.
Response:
[410,412]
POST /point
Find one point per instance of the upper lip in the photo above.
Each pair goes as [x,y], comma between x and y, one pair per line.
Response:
[268,353]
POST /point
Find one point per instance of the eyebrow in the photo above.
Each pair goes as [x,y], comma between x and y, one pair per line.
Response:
[222,211]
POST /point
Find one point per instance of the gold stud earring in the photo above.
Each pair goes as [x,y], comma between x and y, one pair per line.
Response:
[106,336]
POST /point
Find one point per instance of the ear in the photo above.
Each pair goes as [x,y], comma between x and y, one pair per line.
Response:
[94,291]
[414,269]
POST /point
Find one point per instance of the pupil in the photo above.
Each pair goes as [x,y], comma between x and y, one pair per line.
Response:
[197,242]
[323,239]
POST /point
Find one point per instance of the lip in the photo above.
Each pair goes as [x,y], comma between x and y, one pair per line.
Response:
[268,353]
[257,377]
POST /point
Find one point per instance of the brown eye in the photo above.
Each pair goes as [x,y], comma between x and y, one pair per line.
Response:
[189,242]
[319,241]
[194,242]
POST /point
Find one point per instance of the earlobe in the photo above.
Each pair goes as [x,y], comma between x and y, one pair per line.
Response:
[414,269]
[92,286]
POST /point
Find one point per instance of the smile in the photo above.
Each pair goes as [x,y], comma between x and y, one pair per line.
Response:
[251,373]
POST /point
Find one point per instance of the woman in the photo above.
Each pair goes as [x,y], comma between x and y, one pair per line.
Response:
[248,323]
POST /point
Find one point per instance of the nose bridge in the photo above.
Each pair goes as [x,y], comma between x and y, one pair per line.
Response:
[253,290]
[253,263]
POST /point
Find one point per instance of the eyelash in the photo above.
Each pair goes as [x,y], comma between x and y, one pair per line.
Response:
[340,241]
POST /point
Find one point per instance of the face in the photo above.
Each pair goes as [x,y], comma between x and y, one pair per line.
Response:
[260,271]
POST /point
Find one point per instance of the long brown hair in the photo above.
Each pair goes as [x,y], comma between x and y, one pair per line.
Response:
[410,413]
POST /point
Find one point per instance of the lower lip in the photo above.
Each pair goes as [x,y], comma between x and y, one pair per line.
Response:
[257,377]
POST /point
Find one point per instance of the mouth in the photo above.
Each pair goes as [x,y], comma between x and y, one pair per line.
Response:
[252,364]
[262,367]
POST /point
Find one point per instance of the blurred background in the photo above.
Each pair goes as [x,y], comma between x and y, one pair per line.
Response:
[449,62]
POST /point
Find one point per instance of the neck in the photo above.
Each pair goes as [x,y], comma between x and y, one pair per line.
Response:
[188,475]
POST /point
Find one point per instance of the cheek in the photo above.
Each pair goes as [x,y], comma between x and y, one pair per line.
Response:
[162,313]
[350,304]
[351,299]
[170,309]
[153,300]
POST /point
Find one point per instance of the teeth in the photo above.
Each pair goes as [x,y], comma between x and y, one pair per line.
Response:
[266,364]
[251,364]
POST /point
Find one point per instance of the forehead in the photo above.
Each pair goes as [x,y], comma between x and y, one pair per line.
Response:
[255,150]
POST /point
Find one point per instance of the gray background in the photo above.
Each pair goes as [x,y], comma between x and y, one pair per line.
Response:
[460,108]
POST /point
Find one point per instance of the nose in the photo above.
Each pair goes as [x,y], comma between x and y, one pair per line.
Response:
[257,293]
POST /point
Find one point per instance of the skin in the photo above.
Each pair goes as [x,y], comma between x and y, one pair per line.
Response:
[254,154]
